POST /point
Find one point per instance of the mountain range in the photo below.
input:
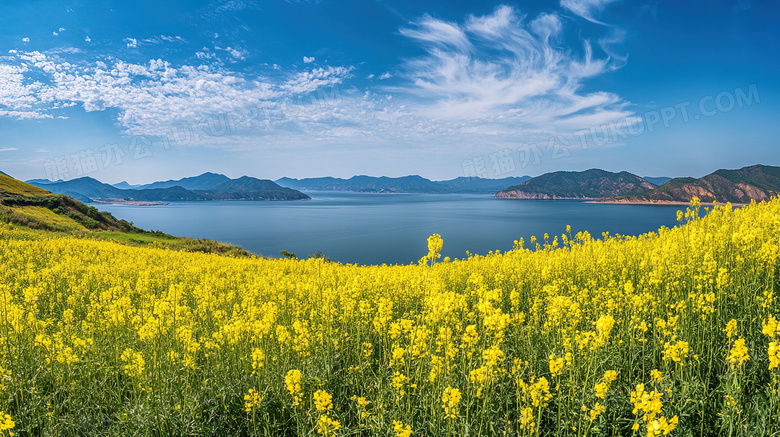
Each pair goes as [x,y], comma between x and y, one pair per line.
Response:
[211,186]
[208,186]
[406,184]
[757,182]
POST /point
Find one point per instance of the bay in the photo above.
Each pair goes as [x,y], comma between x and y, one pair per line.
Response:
[389,228]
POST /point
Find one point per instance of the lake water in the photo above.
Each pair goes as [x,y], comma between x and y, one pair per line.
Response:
[389,228]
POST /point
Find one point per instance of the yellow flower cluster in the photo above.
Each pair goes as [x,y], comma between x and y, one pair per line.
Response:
[293,382]
[134,363]
[401,430]
[450,400]
[323,402]
[6,423]
[326,426]
[252,400]
[258,357]
[739,353]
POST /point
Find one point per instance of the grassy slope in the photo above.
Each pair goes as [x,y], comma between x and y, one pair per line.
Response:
[34,208]
[12,187]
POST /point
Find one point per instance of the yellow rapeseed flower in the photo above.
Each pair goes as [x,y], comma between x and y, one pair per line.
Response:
[739,353]
[401,430]
[252,400]
[450,400]
[293,382]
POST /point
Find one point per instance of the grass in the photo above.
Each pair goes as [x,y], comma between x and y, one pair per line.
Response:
[13,187]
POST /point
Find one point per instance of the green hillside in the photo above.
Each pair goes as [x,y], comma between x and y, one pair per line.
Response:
[34,208]
[12,187]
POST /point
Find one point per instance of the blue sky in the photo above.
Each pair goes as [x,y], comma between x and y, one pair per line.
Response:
[142,91]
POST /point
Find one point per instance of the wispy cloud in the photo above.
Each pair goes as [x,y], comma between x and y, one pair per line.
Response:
[308,60]
[219,8]
[131,42]
[507,69]
[7,149]
[586,9]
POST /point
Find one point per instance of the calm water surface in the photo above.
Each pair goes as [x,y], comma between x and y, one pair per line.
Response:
[389,228]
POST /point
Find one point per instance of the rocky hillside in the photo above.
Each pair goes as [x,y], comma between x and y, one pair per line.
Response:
[588,184]
[757,182]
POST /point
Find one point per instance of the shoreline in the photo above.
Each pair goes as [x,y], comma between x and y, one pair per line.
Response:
[650,202]
[129,202]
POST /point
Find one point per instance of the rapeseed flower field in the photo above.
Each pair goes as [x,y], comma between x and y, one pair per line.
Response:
[667,333]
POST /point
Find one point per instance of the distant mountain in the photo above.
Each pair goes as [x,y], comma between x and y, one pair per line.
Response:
[757,182]
[406,184]
[41,181]
[83,189]
[660,180]
[204,182]
[364,184]
[480,185]
[249,188]
[588,184]
[125,186]
[87,189]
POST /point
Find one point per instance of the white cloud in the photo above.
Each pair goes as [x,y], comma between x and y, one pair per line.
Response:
[439,34]
[586,9]
[20,98]
[154,97]
[308,81]
[385,75]
[25,39]
[131,42]
[497,80]
[172,38]
[308,60]
[8,149]
[88,39]
[503,70]
[55,33]
[205,53]
[61,29]
[237,53]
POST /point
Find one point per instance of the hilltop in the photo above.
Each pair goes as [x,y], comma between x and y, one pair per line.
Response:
[588,184]
[35,208]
